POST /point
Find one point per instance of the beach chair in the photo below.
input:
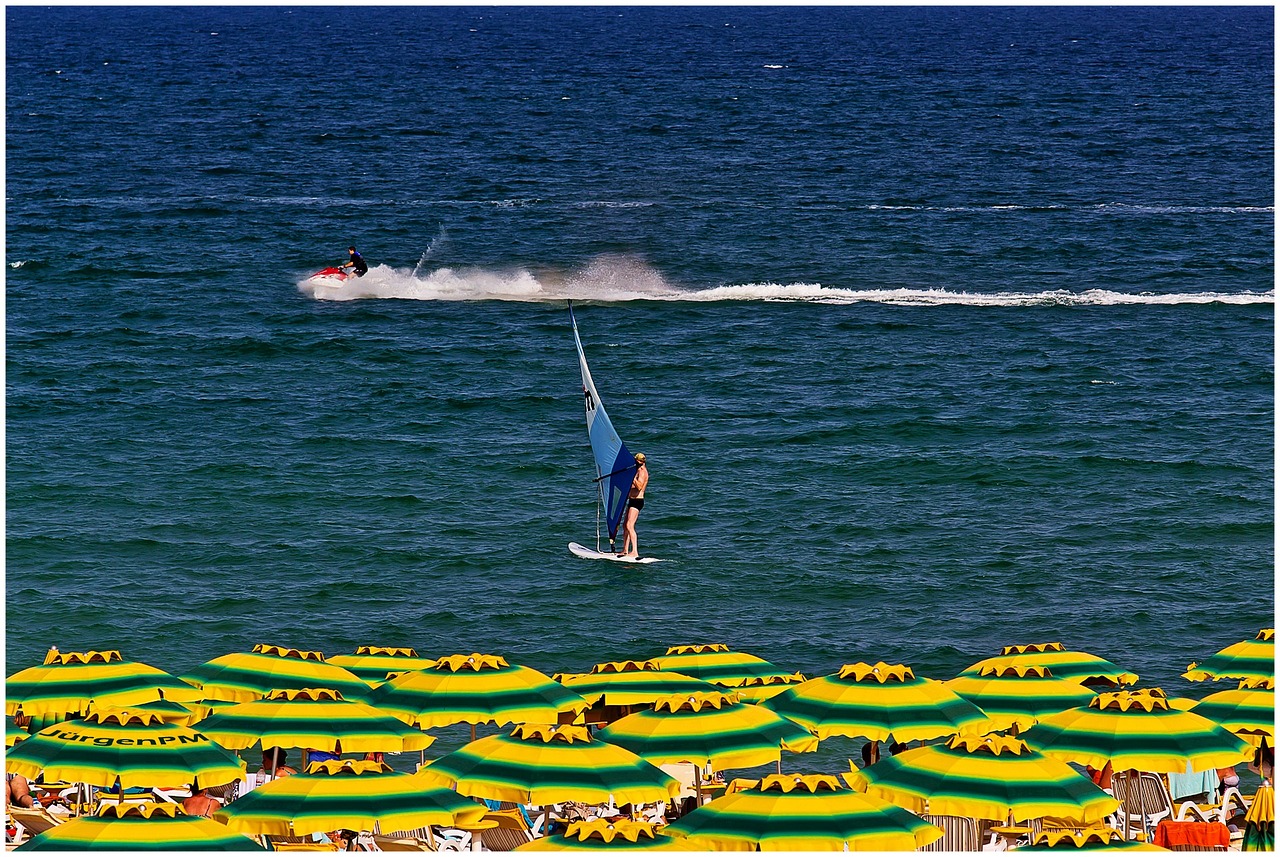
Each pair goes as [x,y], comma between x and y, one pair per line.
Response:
[30,822]
[300,843]
[686,774]
[1145,801]
[422,839]
[512,829]
[958,833]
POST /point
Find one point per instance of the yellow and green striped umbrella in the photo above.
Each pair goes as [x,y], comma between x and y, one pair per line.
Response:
[346,795]
[760,688]
[246,676]
[1014,695]
[873,702]
[170,712]
[718,664]
[1093,839]
[794,812]
[1080,667]
[1137,729]
[984,777]
[13,733]
[475,689]
[630,683]
[315,719]
[602,835]
[129,827]
[1254,658]
[68,681]
[138,748]
[708,729]
[1249,710]
[550,764]
[374,663]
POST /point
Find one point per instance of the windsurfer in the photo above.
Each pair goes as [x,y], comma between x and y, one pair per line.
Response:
[635,502]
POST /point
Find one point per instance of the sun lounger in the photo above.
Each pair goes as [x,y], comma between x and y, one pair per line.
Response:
[31,822]
[958,833]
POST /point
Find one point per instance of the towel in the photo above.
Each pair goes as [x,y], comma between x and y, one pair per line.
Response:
[1191,784]
[1202,835]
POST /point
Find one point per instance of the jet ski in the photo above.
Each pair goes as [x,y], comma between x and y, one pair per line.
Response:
[329,277]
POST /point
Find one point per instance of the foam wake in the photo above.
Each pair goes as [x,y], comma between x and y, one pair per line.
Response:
[623,279]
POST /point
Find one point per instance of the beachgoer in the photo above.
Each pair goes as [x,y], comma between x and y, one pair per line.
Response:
[201,803]
[373,757]
[870,753]
[635,502]
[896,747]
[1264,761]
[1101,778]
[357,263]
[18,792]
[276,761]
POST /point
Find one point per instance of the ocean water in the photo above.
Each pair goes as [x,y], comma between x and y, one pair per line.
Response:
[942,329]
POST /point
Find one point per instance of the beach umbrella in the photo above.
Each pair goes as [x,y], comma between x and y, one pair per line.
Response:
[373,663]
[136,748]
[246,676]
[992,777]
[1249,710]
[13,733]
[630,683]
[874,701]
[1138,730]
[1260,821]
[1014,695]
[794,812]
[708,729]
[1254,658]
[602,835]
[170,712]
[133,827]
[475,689]
[550,764]
[718,664]
[346,795]
[315,719]
[1092,839]
[1080,667]
[67,682]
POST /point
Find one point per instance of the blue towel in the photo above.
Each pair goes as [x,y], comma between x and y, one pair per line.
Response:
[1190,784]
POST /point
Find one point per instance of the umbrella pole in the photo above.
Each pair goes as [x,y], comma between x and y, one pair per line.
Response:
[473,732]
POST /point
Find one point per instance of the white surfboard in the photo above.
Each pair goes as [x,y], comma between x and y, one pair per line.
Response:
[587,553]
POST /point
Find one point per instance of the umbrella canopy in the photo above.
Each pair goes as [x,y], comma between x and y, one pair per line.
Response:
[475,689]
[630,683]
[1014,695]
[68,681]
[602,835]
[718,664]
[708,729]
[984,777]
[13,733]
[1080,667]
[129,827]
[794,812]
[1137,729]
[246,676]
[873,702]
[346,795]
[1093,839]
[373,663]
[313,718]
[760,688]
[1249,710]
[170,712]
[1254,658]
[1260,822]
[550,764]
[137,747]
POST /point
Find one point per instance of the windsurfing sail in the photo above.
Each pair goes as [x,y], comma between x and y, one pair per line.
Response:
[615,466]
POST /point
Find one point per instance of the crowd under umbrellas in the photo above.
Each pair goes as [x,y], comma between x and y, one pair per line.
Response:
[599,759]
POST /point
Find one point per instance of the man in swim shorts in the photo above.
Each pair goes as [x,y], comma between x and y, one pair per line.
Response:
[357,263]
[635,502]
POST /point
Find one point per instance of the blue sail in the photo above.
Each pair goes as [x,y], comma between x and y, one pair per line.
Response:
[615,465]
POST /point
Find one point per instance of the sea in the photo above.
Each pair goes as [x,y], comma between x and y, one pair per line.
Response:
[942,328]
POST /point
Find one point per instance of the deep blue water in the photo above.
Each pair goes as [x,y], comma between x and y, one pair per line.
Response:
[942,329]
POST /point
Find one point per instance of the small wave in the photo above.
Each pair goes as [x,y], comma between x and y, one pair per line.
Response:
[620,279]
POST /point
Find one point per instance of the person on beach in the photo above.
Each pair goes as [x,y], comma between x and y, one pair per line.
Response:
[201,803]
[276,763]
[635,502]
[356,263]
[17,792]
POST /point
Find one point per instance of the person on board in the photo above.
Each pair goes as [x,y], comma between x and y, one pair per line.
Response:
[357,262]
[635,502]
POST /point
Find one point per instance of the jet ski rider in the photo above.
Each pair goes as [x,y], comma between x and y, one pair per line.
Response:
[357,263]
